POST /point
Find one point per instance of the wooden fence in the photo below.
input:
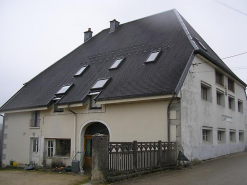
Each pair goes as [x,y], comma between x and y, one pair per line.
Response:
[131,157]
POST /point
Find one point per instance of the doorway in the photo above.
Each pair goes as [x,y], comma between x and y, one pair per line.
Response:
[92,129]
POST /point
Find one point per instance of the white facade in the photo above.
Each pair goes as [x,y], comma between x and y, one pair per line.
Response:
[198,115]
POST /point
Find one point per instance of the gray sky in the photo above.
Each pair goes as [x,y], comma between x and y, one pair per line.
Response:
[35,34]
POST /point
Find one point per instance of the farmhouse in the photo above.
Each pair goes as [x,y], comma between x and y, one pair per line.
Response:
[147,80]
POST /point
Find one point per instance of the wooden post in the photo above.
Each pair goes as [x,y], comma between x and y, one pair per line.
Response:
[135,155]
[99,159]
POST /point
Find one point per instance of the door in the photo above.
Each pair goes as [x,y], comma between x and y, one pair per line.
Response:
[34,150]
[88,151]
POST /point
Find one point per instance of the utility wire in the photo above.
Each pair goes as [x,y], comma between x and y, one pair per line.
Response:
[234,55]
[231,7]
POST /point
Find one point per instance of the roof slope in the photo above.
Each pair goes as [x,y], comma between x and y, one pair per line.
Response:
[134,40]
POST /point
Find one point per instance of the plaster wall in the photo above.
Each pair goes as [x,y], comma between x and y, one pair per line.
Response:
[141,121]
[197,113]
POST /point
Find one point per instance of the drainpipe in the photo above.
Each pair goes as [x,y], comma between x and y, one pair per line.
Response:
[1,144]
[75,127]
[168,116]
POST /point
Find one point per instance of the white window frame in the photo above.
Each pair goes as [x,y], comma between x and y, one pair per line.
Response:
[232,136]
[207,87]
[35,145]
[54,148]
[207,134]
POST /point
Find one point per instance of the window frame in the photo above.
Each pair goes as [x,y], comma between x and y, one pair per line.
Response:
[240,106]
[231,102]
[206,91]
[241,136]
[35,145]
[93,96]
[104,85]
[66,91]
[35,119]
[232,136]
[207,134]
[221,135]
[220,98]
[51,147]
[80,74]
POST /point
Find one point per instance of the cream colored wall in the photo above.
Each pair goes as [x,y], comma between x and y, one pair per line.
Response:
[141,121]
[196,113]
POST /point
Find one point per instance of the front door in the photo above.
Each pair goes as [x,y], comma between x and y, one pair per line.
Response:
[88,151]
[34,150]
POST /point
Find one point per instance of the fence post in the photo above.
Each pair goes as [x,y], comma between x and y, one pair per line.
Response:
[99,159]
[135,155]
[159,153]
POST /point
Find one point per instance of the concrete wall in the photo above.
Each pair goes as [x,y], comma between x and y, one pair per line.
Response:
[141,121]
[197,114]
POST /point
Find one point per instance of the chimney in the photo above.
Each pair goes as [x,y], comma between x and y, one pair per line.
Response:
[113,25]
[88,35]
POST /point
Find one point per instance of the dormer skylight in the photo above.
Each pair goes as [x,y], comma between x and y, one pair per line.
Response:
[116,63]
[83,68]
[64,89]
[101,83]
[198,41]
[153,56]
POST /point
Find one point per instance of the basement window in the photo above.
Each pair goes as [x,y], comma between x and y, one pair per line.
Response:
[83,68]
[101,83]
[153,56]
[64,89]
[116,63]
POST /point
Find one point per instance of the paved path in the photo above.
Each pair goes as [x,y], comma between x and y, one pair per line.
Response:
[227,170]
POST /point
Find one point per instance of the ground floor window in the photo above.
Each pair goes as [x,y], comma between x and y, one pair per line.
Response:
[241,136]
[232,136]
[35,145]
[221,135]
[207,135]
[58,147]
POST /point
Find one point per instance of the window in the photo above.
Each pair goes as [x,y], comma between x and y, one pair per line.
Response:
[62,147]
[206,91]
[101,83]
[232,136]
[64,89]
[58,147]
[35,145]
[231,85]
[83,68]
[35,119]
[56,109]
[240,106]
[219,78]
[93,104]
[207,135]
[50,148]
[220,97]
[116,63]
[153,56]
[241,136]
[221,135]
[231,102]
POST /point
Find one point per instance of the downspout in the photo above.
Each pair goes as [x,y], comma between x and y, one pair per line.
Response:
[168,116]
[1,144]
[75,127]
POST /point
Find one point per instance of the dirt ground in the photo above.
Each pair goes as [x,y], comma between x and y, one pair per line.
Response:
[21,177]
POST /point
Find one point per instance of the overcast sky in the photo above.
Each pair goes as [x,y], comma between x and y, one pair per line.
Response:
[35,34]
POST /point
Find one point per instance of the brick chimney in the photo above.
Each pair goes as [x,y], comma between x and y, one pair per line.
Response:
[113,25]
[88,35]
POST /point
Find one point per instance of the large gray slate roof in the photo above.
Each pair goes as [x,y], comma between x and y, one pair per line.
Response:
[134,40]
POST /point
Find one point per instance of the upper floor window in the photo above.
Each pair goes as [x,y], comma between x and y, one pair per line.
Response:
[231,102]
[93,104]
[116,63]
[35,119]
[153,56]
[240,106]
[206,93]
[219,78]
[231,85]
[220,97]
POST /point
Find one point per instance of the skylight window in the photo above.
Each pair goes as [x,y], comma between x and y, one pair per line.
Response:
[100,83]
[116,63]
[153,56]
[81,70]
[201,44]
[64,89]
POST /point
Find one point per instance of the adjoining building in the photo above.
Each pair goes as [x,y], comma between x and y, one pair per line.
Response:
[151,79]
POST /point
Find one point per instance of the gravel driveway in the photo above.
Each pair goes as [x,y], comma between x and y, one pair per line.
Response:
[21,177]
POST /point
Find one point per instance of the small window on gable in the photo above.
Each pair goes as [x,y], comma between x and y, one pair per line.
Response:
[116,63]
[198,41]
[153,56]
[101,83]
[83,68]
[64,89]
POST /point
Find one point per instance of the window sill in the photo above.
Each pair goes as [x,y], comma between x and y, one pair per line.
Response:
[34,127]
